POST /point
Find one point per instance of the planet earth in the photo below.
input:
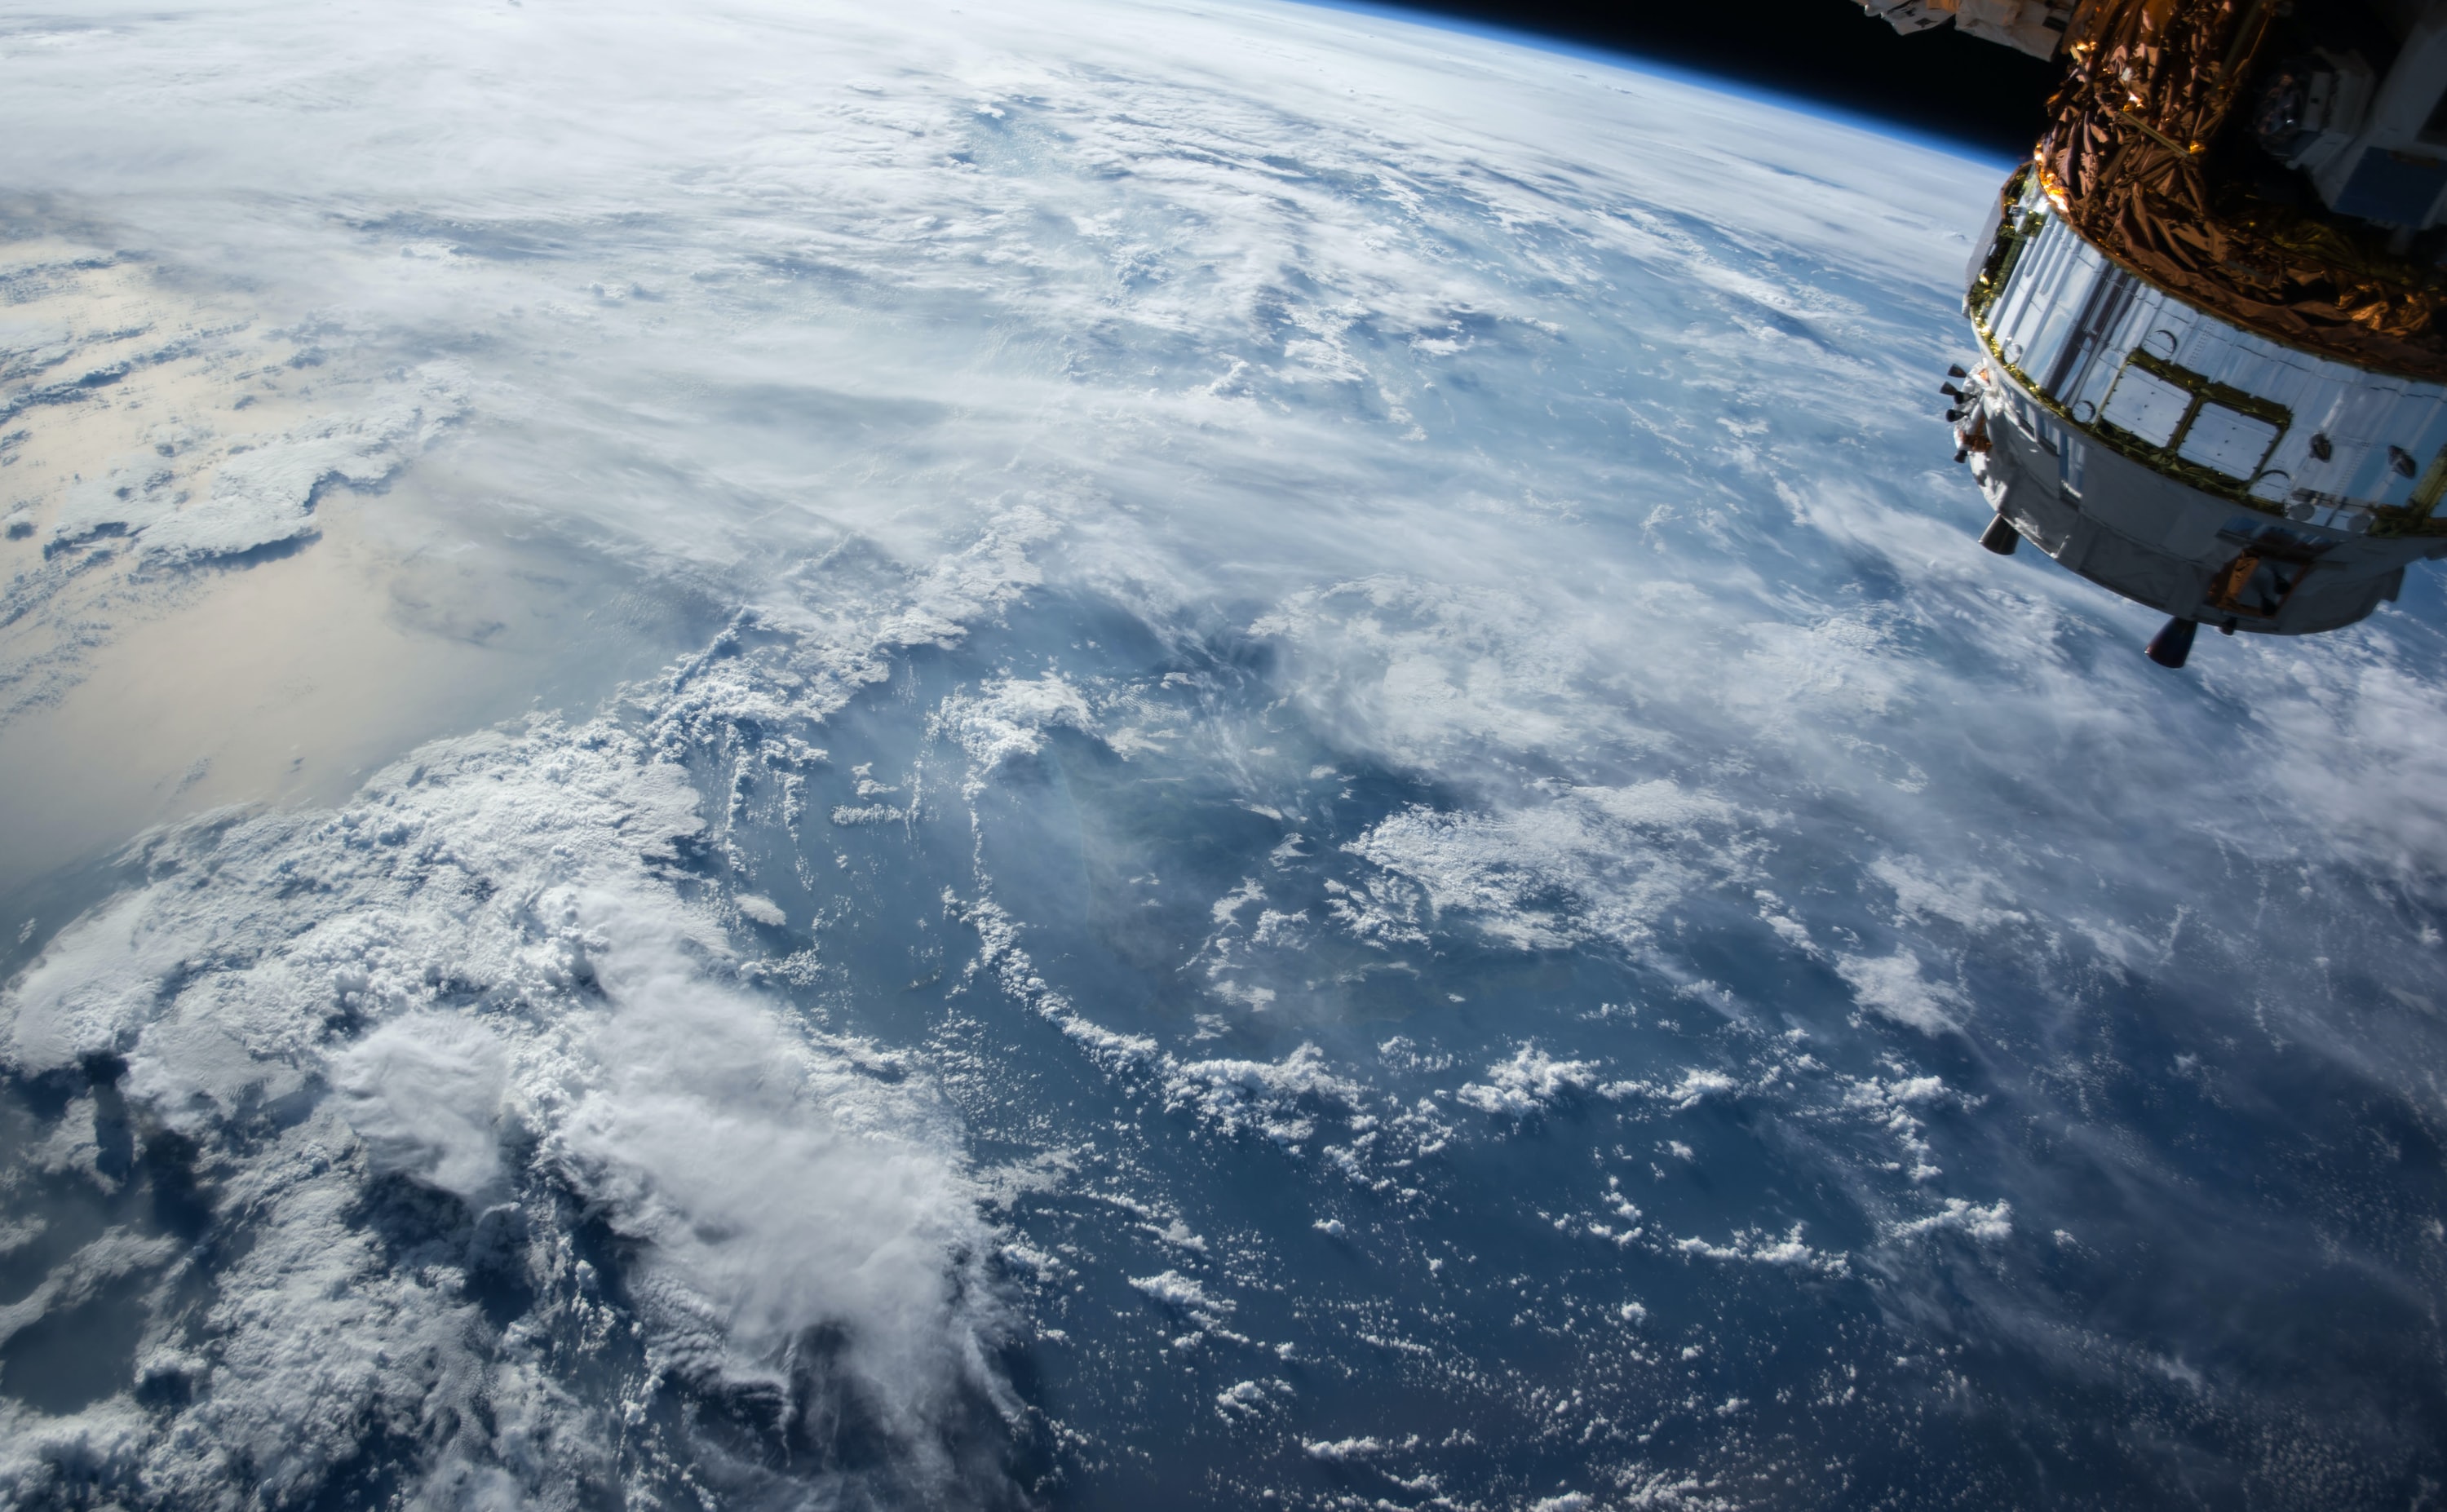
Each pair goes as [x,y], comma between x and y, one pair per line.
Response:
[1192,753]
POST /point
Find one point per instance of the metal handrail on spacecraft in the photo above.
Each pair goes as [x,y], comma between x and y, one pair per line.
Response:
[2211,305]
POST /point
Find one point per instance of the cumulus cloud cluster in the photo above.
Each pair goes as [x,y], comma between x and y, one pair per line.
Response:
[484,960]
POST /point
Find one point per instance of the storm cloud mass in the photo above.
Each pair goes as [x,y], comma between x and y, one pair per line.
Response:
[1111,755]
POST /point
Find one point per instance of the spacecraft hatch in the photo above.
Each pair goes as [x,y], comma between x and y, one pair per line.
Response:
[2210,307]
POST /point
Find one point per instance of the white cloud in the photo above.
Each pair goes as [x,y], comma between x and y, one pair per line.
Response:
[1008,719]
[1275,1098]
[425,1092]
[1601,865]
[762,909]
[1342,1451]
[1186,1295]
[1893,988]
[1527,1083]
[1989,1224]
[495,906]
[1759,1247]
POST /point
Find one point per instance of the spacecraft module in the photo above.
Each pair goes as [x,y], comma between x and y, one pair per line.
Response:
[2212,374]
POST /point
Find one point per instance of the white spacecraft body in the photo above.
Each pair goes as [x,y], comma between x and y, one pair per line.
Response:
[2238,454]
[2027,26]
[2201,469]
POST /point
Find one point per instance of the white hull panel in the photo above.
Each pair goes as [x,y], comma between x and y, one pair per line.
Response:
[2188,465]
[2161,543]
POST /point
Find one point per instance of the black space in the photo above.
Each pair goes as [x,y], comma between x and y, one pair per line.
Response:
[1941,82]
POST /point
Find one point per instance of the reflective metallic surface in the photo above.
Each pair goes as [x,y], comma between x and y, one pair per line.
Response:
[2072,325]
[2182,462]
[2153,156]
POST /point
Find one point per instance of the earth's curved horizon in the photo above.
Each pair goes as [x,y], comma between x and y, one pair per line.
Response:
[1107,755]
